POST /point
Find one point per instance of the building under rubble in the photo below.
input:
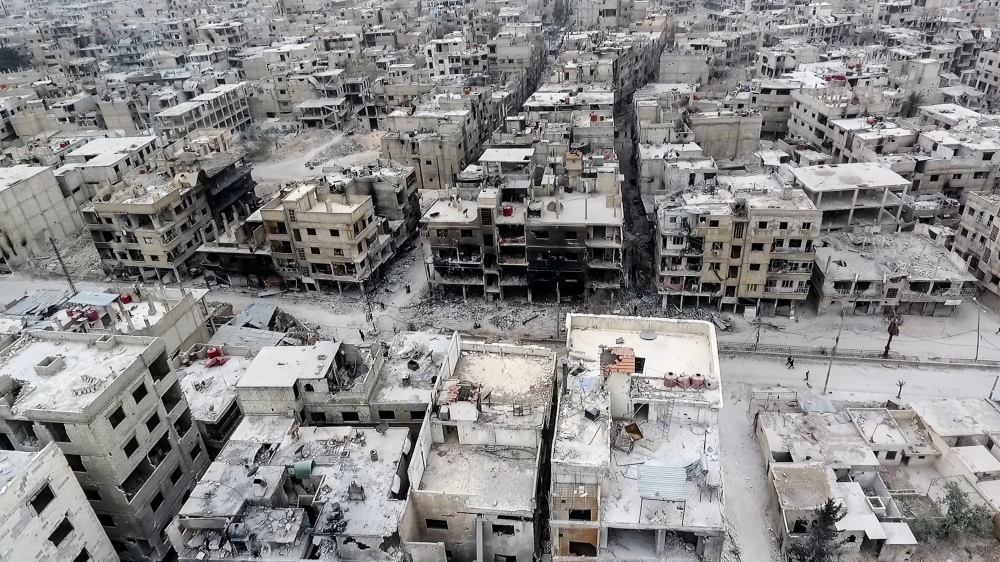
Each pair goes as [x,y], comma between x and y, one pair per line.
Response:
[635,467]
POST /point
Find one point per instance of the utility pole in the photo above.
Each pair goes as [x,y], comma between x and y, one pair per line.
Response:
[836,342]
[62,264]
[893,331]
[979,336]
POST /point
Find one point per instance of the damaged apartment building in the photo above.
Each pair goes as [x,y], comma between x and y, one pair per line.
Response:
[635,465]
[514,228]
[313,483]
[743,240]
[151,223]
[114,407]
[322,236]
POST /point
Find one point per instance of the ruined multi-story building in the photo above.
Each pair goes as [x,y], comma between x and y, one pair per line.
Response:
[33,210]
[631,382]
[152,222]
[903,273]
[46,515]
[114,407]
[323,238]
[521,232]
[753,238]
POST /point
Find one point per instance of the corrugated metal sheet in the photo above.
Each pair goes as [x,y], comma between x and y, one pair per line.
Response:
[245,337]
[38,302]
[257,315]
[662,482]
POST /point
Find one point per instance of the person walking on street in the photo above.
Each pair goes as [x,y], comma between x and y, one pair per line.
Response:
[807,376]
[362,332]
[788,362]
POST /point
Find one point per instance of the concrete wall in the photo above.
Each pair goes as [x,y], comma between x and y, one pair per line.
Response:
[30,211]
[24,534]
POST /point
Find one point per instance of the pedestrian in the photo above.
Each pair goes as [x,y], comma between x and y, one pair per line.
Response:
[362,332]
[998,330]
[807,376]
[788,362]
[791,363]
[407,288]
[635,310]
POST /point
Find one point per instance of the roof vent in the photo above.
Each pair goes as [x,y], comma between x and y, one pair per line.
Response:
[647,335]
[50,365]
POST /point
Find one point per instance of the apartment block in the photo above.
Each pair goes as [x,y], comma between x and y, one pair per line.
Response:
[531,235]
[46,515]
[323,239]
[976,241]
[114,407]
[33,209]
[904,273]
[223,107]
[492,398]
[437,143]
[752,238]
[863,194]
[622,393]
[152,222]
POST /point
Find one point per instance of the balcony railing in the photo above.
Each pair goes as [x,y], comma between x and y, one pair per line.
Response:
[787,290]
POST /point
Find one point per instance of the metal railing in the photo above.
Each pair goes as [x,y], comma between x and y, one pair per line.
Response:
[797,350]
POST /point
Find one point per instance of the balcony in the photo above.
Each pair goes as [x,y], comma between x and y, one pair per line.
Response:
[786,290]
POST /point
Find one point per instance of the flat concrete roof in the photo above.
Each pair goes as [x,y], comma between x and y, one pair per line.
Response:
[955,418]
[491,482]
[801,486]
[14,175]
[507,155]
[842,177]
[281,367]
[121,144]
[978,458]
[429,351]
[12,464]
[86,371]
[210,390]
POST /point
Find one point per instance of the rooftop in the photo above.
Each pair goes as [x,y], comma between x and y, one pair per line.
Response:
[841,177]
[872,256]
[66,372]
[210,384]
[12,464]
[425,351]
[801,486]
[956,418]
[498,480]
[102,146]
[281,367]
[16,174]
[829,438]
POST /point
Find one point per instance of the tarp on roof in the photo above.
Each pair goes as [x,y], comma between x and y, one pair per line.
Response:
[93,298]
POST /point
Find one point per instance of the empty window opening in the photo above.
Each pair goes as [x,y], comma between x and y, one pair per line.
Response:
[503,529]
[43,498]
[436,524]
[61,532]
[580,515]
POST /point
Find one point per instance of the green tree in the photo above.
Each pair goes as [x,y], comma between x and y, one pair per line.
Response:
[12,59]
[962,516]
[823,542]
[911,104]
[559,11]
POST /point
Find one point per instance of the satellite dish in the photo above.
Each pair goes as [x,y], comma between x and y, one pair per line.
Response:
[647,335]
[382,428]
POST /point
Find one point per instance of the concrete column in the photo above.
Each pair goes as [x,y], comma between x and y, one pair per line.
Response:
[661,537]
[854,202]
[529,295]
[464,296]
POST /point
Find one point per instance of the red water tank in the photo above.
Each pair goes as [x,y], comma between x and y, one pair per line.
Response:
[92,314]
[697,380]
[683,380]
[126,298]
[213,352]
[508,210]
[669,380]
[593,116]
